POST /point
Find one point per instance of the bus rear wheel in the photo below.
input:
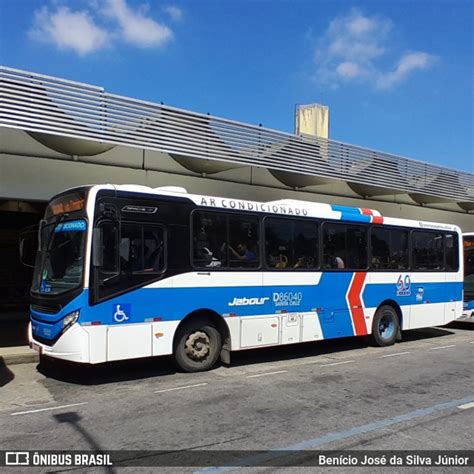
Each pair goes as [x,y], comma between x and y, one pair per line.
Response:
[198,345]
[385,326]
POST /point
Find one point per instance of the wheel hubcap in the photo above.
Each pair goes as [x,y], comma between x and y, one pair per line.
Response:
[386,327]
[198,345]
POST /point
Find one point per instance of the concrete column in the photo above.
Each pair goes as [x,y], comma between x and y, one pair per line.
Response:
[312,120]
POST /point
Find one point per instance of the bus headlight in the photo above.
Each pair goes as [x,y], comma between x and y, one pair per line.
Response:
[70,319]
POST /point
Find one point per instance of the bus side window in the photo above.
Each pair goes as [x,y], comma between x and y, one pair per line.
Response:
[428,250]
[141,249]
[110,263]
[334,246]
[451,252]
[389,249]
[209,240]
[305,245]
[153,249]
[291,243]
[356,247]
[380,246]
[399,255]
[243,242]
[277,243]
[139,256]
[201,243]
[345,246]
[131,255]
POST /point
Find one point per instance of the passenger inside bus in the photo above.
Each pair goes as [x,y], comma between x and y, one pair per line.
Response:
[304,262]
[243,253]
[332,260]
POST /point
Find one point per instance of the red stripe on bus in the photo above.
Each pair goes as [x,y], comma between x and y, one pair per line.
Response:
[377,220]
[365,211]
[355,303]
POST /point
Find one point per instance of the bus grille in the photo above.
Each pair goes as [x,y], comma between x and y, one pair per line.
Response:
[53,309]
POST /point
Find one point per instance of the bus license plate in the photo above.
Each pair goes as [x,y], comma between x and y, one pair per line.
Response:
[37,348]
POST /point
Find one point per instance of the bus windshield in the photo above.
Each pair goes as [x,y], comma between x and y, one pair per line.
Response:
[59,267]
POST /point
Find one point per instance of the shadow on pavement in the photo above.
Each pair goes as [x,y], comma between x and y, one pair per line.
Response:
[109,372]
[425,333]
[137,369]
[6,375]
[469,325]
[332,346]
[73,419]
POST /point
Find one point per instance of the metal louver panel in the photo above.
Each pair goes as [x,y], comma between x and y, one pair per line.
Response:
[38,103]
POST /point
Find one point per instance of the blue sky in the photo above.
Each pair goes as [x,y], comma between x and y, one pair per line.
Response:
[397,75]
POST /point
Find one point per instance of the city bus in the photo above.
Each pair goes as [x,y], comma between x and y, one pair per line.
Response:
[127,271]
[468,239]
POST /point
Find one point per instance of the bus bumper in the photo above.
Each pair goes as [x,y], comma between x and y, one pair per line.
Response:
[75,340]
[468,310]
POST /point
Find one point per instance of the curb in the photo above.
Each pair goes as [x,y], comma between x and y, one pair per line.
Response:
[15,358]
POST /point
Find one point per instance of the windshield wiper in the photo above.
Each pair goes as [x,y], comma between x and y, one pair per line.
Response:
[50,241]
[47,250]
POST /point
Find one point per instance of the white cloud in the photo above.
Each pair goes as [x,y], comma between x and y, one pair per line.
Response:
[66,29]
[175,13]
[348,70]
[103,24]
[355,48]
[409,62]
[135,27]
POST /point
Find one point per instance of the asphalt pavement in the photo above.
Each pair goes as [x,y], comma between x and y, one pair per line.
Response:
[331,395]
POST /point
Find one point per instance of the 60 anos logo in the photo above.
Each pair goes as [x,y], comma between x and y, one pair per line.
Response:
[404,285]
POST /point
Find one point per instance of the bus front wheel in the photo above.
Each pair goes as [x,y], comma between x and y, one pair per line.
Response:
[198,346]
[385,326]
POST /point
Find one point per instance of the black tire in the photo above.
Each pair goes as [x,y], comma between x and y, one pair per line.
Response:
[385,326]
[198,345]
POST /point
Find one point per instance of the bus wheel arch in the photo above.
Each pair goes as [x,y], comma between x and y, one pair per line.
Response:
[207,324]
[388,317]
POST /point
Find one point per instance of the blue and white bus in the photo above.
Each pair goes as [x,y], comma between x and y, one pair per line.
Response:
[468,239]
[129,271]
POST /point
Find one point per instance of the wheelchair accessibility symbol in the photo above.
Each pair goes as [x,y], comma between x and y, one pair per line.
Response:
[122,312]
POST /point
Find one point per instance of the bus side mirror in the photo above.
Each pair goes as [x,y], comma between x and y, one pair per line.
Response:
[41,225]
[25,256]
[27,246]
